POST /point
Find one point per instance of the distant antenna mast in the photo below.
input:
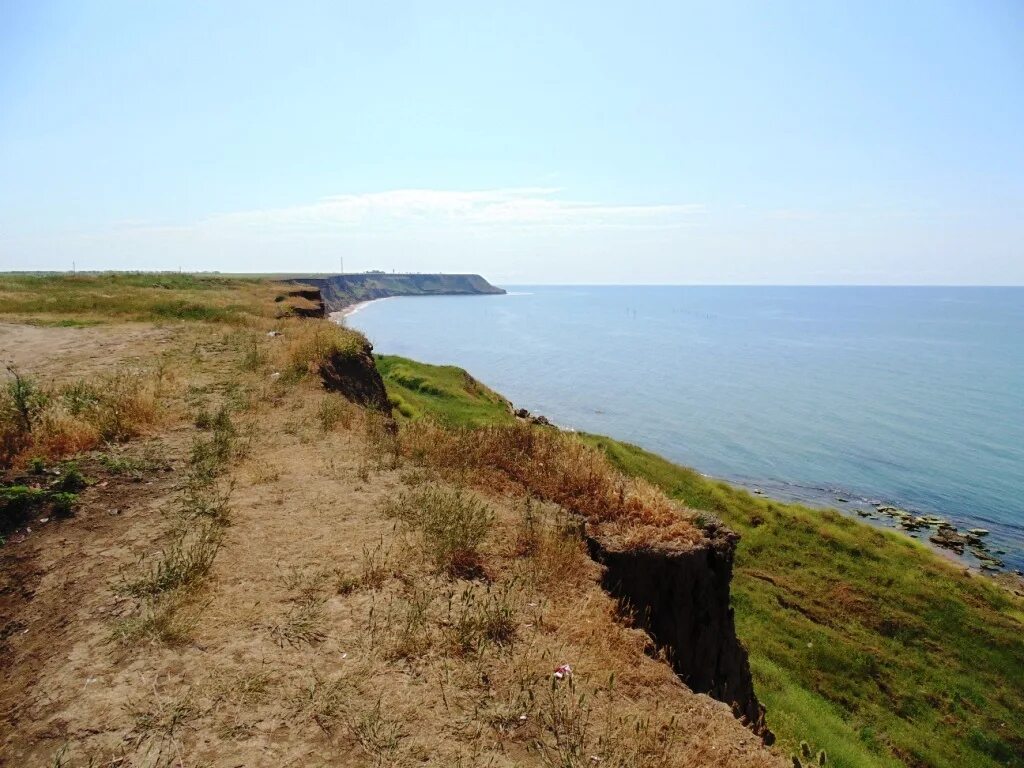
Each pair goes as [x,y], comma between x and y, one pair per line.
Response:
[341,260]
[74,270]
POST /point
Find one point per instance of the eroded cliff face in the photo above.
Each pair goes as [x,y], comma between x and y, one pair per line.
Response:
[681,598]
[355,376]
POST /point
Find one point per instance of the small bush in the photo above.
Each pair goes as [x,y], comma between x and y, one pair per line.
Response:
[454,525]
[72,480]
[63,503]
[80,398]
[17,501]
[203,419]
[57,422]
[346,583]
[24,399]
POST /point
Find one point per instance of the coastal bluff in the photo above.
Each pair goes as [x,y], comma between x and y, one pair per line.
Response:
[340,291]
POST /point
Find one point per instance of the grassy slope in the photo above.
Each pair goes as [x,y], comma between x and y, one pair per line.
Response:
[863,642]
[445,392]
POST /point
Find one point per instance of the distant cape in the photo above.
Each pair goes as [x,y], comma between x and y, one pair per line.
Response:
[340,291]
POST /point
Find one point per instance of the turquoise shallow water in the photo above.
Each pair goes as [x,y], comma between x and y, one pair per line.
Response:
[909,396]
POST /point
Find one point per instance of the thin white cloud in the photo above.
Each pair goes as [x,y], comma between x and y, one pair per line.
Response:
[416,209]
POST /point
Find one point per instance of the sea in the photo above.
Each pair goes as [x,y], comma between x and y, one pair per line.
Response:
[844,397]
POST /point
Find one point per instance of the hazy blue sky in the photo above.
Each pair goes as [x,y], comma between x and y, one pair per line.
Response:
[783,142]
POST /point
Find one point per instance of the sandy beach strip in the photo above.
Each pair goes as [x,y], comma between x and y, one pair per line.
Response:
[351,309]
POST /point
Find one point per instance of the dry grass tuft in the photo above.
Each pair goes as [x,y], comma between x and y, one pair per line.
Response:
[335,411]
[185,562]
[453,526]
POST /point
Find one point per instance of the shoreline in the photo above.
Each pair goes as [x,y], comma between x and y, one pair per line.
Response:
[339,315]
[897,516]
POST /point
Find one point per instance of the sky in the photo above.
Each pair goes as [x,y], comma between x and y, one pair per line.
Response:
[532,142]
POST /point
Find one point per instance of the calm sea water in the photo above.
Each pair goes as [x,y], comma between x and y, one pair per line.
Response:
[911,396]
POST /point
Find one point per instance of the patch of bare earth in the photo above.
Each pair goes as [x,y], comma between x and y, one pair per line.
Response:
[65,352]
[330,630]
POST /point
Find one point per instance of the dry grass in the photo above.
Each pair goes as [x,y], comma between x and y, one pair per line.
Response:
[310,345]
[452,525]
[556,467]
[55,421]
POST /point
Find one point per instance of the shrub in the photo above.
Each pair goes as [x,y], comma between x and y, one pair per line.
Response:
[62,421]
[24,399]
[80,397]
[72,479]
[453,523]
[16,501]
[63,503]
[19,501]
[203,419]
[124,407]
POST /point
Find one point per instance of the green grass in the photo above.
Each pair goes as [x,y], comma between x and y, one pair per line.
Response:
[65,300]
[444,392]
[862,642]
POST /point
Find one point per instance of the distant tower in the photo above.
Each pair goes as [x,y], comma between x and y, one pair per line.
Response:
[341,263]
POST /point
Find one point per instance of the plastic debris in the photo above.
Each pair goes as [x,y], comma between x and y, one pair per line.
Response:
[563,672]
